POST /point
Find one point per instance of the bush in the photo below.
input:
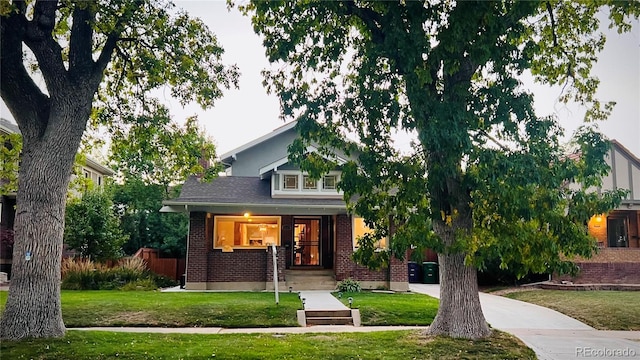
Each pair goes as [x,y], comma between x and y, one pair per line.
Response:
[349,285]
[129,273]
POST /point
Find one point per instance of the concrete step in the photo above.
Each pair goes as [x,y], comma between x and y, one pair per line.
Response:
[316,279]
[330,321]
[328,317]
[328,313]
[311,285]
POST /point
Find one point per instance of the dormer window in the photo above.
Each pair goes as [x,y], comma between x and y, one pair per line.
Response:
[294,183]
[290,182]
[309,183]
[329,182]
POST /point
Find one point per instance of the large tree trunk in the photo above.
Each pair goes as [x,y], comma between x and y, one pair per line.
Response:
[459,314]
[33,307]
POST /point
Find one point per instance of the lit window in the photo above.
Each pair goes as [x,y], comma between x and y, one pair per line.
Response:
[360,229]
[291,182]
[308,183]
[329,182]
[233,232]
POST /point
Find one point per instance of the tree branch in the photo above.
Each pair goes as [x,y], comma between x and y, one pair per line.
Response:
[27,103]
[81,42]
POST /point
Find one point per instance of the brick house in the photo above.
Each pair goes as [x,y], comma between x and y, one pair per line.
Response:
[264,200]
[618,232]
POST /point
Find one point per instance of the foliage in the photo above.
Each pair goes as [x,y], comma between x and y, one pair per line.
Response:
[486,170]
[128,274]
[138,206]
[157,151]
[10,149]
[602,309]
[370,345]
[349,285]
[91,227]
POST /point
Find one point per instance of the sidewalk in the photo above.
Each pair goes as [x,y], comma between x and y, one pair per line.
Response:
[552,335]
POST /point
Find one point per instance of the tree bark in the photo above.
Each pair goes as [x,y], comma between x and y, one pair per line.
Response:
[33,308]
[459,314]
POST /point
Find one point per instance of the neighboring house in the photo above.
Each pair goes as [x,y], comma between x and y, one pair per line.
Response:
[618,232]
[265,200]
[92,170]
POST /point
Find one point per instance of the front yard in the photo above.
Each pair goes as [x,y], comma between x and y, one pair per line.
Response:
[603,310]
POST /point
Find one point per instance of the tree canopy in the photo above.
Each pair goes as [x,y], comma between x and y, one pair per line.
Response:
[98,60]
[486,170]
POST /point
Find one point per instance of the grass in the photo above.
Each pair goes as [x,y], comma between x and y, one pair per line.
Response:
[157,309]
[393,309]
[604,310]
[375,345]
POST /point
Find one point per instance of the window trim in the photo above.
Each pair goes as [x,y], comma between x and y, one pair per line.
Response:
[278,182]
[245,219]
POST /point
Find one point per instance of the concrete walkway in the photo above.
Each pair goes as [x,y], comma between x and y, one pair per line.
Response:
[321,300]
[550,334]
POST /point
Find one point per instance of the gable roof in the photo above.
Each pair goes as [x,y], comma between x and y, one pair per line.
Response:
[228,157]
[236,195]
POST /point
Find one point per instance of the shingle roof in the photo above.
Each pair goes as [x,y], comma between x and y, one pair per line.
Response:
[241,190]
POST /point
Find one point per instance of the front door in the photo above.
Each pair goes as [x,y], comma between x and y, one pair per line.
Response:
[617,232]
[306,242]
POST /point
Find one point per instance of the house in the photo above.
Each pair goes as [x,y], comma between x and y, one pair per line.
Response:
[91,170]
[618,232]
[265,200]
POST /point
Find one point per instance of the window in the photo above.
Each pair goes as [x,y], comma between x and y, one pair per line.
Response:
[99,180]
[360,229]
[329,182]
[291,182]
[308,183]
[233,232]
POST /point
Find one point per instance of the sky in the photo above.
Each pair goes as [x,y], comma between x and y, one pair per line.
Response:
[249,112]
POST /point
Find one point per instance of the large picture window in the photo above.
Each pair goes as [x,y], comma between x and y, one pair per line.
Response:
[234,232]
[360,229]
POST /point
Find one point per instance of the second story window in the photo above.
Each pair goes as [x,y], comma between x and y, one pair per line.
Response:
[308,183]
[329,182]
[291,182]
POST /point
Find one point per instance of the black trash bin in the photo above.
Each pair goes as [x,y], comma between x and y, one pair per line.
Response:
[415,273]
[183,280]
[430,273]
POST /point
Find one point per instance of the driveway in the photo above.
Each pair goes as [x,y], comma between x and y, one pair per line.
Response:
[549,333]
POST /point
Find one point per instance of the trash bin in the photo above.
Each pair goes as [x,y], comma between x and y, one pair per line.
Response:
[183,280]
[430,273]
[415,273]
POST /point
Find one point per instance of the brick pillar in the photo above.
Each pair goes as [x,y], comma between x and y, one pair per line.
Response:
[399,273]
[344,247]
[197,249]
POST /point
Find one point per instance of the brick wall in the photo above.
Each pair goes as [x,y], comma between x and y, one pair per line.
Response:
[240,265]
[344,266]
[197,248]
[609,266]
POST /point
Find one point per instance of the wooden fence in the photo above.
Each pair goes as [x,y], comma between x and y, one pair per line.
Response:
[169,267]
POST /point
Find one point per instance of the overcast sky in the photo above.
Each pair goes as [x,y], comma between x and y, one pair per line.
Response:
[245,114]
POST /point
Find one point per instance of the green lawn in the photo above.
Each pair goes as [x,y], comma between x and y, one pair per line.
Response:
[604,310]
[393,309]
[377,345]
[164,309]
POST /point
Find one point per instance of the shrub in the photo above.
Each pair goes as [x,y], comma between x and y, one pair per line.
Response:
[140,285]
[349,285]
[129,273]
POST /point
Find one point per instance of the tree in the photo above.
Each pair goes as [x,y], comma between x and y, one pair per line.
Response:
[151,156]
[92,228]
[113,52]
[489,174]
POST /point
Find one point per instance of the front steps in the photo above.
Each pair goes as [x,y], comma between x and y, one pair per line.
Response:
[329,317]
[299,280]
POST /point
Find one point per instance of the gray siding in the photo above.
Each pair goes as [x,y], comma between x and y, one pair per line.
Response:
[249,161]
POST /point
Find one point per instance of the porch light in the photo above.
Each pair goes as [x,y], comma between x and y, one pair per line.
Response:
[246,215]
[599,218]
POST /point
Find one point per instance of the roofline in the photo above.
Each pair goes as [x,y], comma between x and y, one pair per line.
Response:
[198,203]
[274,133]
[626,151]
[95,164]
